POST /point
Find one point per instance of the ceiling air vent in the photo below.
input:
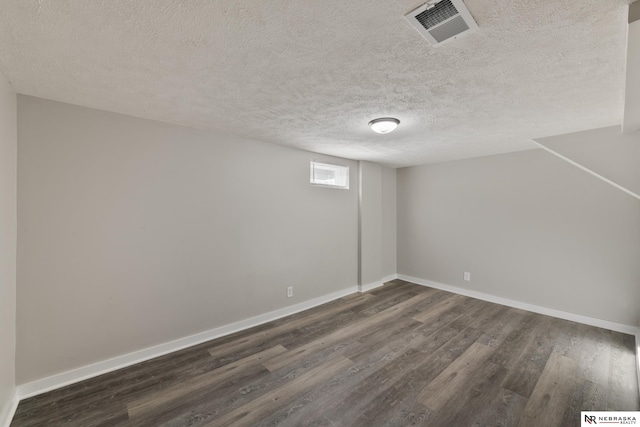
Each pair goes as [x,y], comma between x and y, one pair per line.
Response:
[442,21]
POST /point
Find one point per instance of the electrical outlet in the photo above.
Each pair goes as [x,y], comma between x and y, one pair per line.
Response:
[289,291]
[467,276]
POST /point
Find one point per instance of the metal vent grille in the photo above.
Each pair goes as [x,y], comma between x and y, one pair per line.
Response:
[441,21]
[450,29]
[437,14]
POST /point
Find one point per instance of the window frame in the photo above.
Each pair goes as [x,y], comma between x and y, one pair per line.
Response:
[336,166]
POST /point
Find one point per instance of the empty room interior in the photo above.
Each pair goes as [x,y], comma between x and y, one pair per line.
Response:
[336,213]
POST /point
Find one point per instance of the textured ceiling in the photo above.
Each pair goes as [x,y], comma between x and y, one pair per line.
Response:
[311,74]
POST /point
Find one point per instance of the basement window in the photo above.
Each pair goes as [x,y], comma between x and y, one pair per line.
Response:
[329,175]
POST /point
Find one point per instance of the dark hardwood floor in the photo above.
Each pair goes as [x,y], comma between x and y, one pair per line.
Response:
[399,355]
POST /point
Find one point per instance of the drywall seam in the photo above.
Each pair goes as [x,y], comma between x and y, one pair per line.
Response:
[606,324]
[586,169]
[5,419]
[73,376]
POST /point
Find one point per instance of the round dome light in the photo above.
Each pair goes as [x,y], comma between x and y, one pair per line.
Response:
[384,124]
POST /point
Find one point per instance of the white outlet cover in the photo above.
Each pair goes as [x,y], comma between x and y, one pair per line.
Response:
[467,276]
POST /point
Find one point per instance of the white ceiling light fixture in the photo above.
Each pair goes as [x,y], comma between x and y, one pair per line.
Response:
[384,124]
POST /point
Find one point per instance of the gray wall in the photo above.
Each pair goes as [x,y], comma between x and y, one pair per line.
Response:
[134,233]
[606,151]
[529,227]
[389,222]
[377,223]
[370,224]
[8,228]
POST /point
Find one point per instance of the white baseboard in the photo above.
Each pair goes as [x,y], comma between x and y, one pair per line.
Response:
[618,327]
[389,278]
[369,286]
[70,377]
[9,412]
[373,285]
[66,378]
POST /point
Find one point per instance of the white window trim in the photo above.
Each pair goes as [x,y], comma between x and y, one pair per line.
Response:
[337,187]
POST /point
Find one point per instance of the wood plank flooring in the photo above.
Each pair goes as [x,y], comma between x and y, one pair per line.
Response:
[399,355]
